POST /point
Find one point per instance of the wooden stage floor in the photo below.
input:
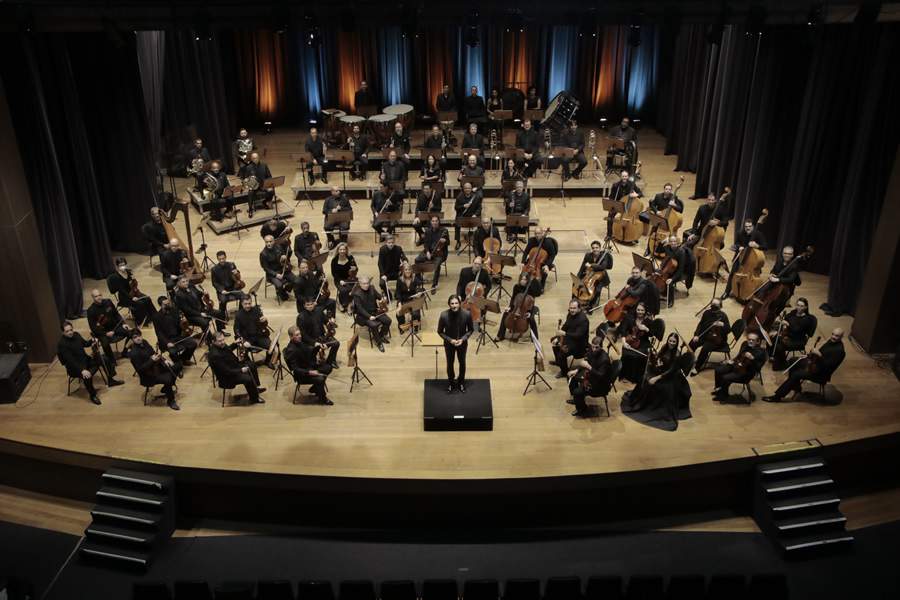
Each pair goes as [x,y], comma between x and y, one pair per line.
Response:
[377,432]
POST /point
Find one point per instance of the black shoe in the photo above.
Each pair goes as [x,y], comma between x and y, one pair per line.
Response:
[771,399]
[434,289]
[95,400]
[450,387]
[327,402]
[380,347]
[260,400]
[580,415]
[462,388]
[261,390]
[570,401]
[694,372]
[115,382]
[334,365]
[386,340]
[173,405]
[560,375]
[500,338]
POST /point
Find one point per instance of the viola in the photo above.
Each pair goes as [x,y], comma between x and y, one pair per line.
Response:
[537,256]
[769,298]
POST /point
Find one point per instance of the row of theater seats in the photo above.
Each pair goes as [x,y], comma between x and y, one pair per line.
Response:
[638,587]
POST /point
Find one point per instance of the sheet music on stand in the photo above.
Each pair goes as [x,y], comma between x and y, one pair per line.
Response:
[388,217]
[336,218]
[437,153]
[477,182]
[644,264]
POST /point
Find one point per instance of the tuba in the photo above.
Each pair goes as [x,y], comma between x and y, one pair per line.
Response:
[245,146]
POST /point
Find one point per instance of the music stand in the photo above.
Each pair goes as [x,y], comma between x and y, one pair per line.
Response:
[477,182]
[336,218]
[386,217]
[505,261]
[353,359]
[644,264]
[612,208]
[207,262]
[424,267]
[486,305]
[518,221]
[275,357]
[317,261]
[437,153]
[304,158]
[270,184]
[413,305]
[536,115]
[469,223]
[230,195]
[345,157]
[502,115]
[447,116]
[535,375]
[656,222]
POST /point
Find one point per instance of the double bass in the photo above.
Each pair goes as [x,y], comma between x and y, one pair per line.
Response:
[768,299]
[747,267]
[710,241]
[674,220]
[629,227]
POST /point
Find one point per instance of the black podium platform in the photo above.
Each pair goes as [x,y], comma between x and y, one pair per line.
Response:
[471,411]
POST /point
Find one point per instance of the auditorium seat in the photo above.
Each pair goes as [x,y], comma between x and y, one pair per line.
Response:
[645,587]
[234,590]
[603,587]
[315,590]
[686,587]
[563,588]
[398,590]
[149,590]
[192,590]
[357,589]
[481,589]
[768,586]
[274,590]
[522,589]
[440,589]
[727,587]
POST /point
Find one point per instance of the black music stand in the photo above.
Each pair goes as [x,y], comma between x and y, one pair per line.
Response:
[415,304]
[502,116]
[535,376]
[507,186]
[207,262]
[477,182]
[367,110]
[644,264]
[352,357]
[536,115]
[486,305]
[657,223]
[336,218]
[386,217]
[470,223]
[270,184]
[518,221]
[345,157]
[612,208]
[563,153]
[437,153]
[446,120]
[505,261]
[317,261]
[423,268]
[229,195]
[304,158]
[275,357]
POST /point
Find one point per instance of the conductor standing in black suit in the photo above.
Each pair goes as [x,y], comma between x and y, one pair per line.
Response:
[455,326]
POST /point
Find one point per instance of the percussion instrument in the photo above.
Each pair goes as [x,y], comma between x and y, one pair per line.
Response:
[348,121]
[405,113]
[382,127]
[560,111]
[330,117]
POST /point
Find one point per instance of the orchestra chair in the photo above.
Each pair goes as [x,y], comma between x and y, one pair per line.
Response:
[192,590]
[149,386]
[266,287]
[314,590]
[563,588]
[150,590]
[522,589]
[736,331]
[274,590]
[69,385]
[616,368]
[298,396]
[822,382]
[603,587]
[360,589]
[403,589]
[646,587]
[686,587]
[234,591]
[481,589]
[226,388]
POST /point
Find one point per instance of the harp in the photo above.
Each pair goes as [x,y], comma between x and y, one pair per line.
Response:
[192,269]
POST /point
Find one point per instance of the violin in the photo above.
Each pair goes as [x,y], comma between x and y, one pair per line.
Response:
[324,292]
[748,266]
[767,300]
[711,240]
[286,266]
[382,304]
[537,256]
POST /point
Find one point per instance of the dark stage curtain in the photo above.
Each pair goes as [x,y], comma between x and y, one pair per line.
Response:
[151,55]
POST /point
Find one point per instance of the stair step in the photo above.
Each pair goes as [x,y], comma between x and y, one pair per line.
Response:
[122,476]
[797,483]
[129,555]
[106,533]
[817,501]
[813,541]
[119,494]
[126,516]
[791,466]
[817,519]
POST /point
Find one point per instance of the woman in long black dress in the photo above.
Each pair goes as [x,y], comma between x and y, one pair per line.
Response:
[408,285]
[344,271]
[636,328]
[662,396]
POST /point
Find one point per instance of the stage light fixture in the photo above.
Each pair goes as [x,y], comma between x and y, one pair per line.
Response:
[312,35]
[472,36]
[756,20]
[814,16]
[201,26]
[281,18]
[634,29]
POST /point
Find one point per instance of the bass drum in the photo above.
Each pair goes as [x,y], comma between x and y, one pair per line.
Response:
[560,111]
[514,100]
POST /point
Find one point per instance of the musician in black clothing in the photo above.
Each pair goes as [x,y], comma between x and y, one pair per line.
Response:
[455,327]
[468,204]
[473,107]
[391,258]
[155,234]
[336,202]
[190,301]
[107,324]
[153,368]
[471,168]
[311,284]
[712,213]
[428,201]
[786,270]
[596,383]
[253,327]
[241,149]
[409,284]
[532,100]
[572,138]
[400,142]
[305,243]
[445,102]
[385,202]
[620,191]
[223,281]
[79,364]
[434,241]
[530,142]
[624,131]
[791,333]
[676,252]
[364,97]
[199,158]
[170,263]
[727,373]
[543,241]
[436,141]
[260,172]
[710,335]
[667,199]
[316,147]
[119,283]
[360,145]
[312,321]
[530,287]
[748,237]
[230,371]
[167,325]
[818,366]
[486,231]
[518,202]
[365,309]
[475,273]
[596,260]
[636,328]
[643,289]
[301,358]
[473,140]
[393,172]
[571,338]
[215,195]
[274,227]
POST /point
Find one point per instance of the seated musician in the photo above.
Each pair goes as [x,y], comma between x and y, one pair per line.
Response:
[433,170]
[624,131]
[79,364]
[620,191]
[190,301]
[336,202]
[532,100]
[598,381]
[468,204]
[529,141]
[153,368]
[391,258]
[313,322]
[473,107]
[359,144]
[230,371]
[596,260]
[710,335]
[573,138]
[259,171]
[526,285]
[428,201]
[711,213]
[748,362]
[344,271]
[511,172]
[474,273]
[750,236]
[169,334]
[301,360]
[306,243]
[445,102]
[662,396]
[434,241]
[253,328]
[543,241]
[170,263]
[675,252]
[400,142]
[486,231]
[472,140]
[571,338]
[818,366]
[107,324]
[393,172]
[494,103]
[366,312]
[385,202]
[198,152]
[155,234]
[311,284]
[636,328]
[215,195]
[791,333]
[274,227]
[316,148]
[661,202]
[119,283]
[223,281]
[786,271]
[471,169]
[409,285]
[455,327]
[241,149]
[364,96]
[434,141]
[518,202]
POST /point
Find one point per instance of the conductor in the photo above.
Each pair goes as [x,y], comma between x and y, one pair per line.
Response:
[455,326]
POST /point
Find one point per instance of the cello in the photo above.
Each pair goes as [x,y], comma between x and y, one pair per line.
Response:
[491,245]
[710,240]
[616,308]
[768,299]
[628,227]
[474,289]
[537,256]
[748,266]
[660,276]
[520,307]
[583,289]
